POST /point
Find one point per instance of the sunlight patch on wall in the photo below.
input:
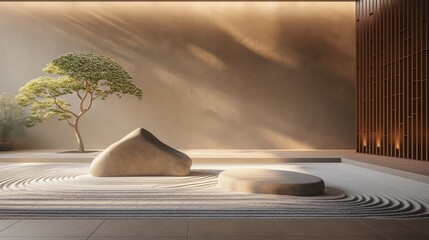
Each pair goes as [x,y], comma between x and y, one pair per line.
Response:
[258,47]
[208,99]
[206,57]
[279,140]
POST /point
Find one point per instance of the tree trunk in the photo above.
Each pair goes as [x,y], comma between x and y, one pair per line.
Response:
[78,137]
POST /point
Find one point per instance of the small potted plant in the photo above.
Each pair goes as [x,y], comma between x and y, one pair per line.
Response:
[12,121]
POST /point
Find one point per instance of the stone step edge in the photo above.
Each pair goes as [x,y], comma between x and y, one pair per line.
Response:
[194,160]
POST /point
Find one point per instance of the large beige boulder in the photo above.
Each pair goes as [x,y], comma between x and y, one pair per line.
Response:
[140,153]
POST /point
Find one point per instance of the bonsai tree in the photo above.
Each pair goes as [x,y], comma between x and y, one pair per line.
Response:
[12,120]
[84,75]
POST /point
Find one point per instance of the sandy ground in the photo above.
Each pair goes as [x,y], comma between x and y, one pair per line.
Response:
[67,190]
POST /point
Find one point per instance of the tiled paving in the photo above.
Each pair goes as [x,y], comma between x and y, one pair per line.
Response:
[326,228]
[148,228]
[6,223]
[234,228]
[215,229]
[51,228]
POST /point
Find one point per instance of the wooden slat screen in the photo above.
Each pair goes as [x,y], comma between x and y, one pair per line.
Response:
[392,78]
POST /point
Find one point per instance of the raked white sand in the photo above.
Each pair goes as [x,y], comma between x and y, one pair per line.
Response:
[67,190]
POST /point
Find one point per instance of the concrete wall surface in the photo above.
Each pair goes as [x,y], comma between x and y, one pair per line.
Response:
[213,75]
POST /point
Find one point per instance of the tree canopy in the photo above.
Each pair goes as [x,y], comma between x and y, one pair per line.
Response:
[88,76]
[12,117]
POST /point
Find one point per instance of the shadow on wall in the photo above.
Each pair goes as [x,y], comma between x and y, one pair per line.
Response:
[213,75]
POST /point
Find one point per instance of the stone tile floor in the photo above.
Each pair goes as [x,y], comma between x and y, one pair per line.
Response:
[214,229]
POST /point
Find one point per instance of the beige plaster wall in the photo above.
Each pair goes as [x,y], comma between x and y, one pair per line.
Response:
[213,75]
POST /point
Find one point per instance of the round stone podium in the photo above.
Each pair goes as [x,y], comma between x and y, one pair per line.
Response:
[271,182]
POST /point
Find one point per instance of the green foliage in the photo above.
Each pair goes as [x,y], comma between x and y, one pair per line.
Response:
[87,76]
[102,75]
[44,96]
[12,117]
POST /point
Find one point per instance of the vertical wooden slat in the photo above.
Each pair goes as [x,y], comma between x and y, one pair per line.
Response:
[386,104]
[365,92]
[419,80]
[361,75]
[389,82]
[406,77]
[359,81]
[426,66]
[385,73]
[378,55]
[392,81]
[367,78]
[397,79]
[411,84]
[422,85]
[357,103]
[419,85]
[357,78]
[402,77]
[370,77]
[361,67]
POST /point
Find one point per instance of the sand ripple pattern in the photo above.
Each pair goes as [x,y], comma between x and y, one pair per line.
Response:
[47,190]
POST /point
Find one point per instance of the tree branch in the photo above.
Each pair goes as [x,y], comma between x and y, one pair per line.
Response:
[97,96]
[69,123]
[91,99]
[65,110]
[82,100]
[81,103]
[78,94]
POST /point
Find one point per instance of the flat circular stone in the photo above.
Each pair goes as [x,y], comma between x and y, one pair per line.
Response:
[271,182]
